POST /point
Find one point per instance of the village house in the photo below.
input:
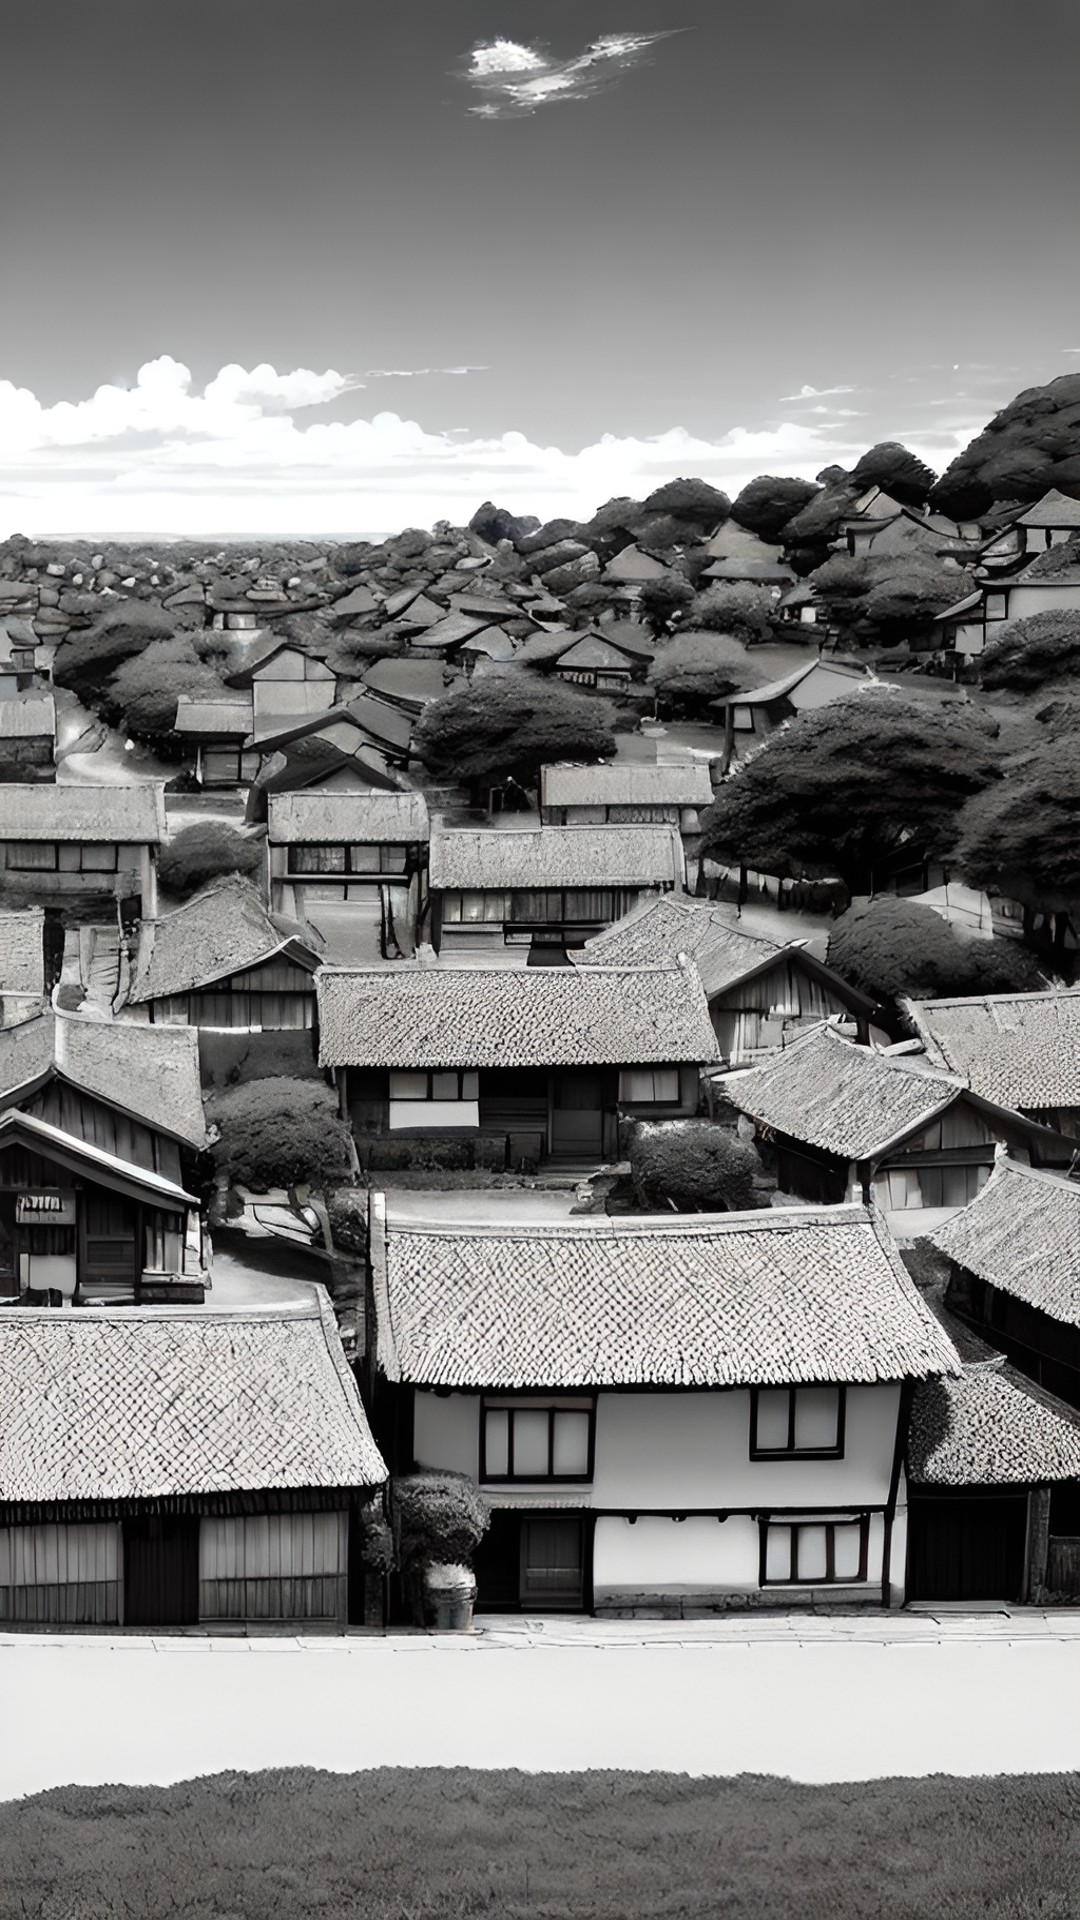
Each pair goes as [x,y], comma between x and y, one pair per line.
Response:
[667,1416]
[86,849]
[626,792]
[222,963]
[217,731]
[1050,583]
[993,1469]
[880,527]
[179,1469]
[517,1065]
[22,964]
[607,658]
[1050,522]
[367,851]
[316,764]
[798,607]
[737,544]
[845,1121]
[749,718]
[760,995]
[286,684]
[542,887]
[28,737]
[1019,1050]
[24,662]
[1014,1271]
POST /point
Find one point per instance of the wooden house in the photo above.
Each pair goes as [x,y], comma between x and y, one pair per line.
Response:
[1049,522]
[749,718]
[518,1064]
[89,848]
[286,684]
[761,996]
[412,684]
[1018,1050]
[665,1414]
[599,661]
[217,732]
[798,607]
[22,964]
[221,962]
[190,1468]
[626,793]
[316,763]
[1050,583]
[494,887]
[367,851]
[845,1121]
[28,737]
[883,529]
[993,1472]
[1014,1270]
[24,662]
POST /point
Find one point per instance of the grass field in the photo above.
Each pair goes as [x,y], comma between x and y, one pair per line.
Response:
[411,1845]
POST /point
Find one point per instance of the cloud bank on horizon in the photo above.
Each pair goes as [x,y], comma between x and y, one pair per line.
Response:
[161,457]
[516,78]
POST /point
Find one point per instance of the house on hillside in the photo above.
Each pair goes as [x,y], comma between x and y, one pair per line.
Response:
[28,737]
[519,1065]
[602,663]
[217,731]
[798,607]
[666,1415]
[221,962]
[625,793]
[367,850]
[195,1468]
[23,981]
[494,887]
[1050,522]
[993,1471]
[85,849]
[845,1121]
[286,684]
[1014,1270]
[1050,583]
[761,996]
[1018,1050]
[749,718]
[24,662]
[884,529]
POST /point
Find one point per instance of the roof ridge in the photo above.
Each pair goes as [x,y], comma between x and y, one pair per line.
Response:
[633,1226]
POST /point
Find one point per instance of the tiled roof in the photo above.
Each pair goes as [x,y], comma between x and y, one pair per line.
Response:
[128,1404]
[363,818]
[848,1100]
[150,1072]
[626,783]
[991,1426]
[127,816]
[414,683]
[225,717]
[1019,1050]
[22,960]
[222,929]
[657,930]
[1055,509]
[86,1160]
[778,689]
[498,857]
[29,716]
[413,1016]
[1021,1233]
[722,1300]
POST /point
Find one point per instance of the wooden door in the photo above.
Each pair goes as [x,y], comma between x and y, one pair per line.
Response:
[161,1570]
[577,1119]
[966,1547]
[552,1563]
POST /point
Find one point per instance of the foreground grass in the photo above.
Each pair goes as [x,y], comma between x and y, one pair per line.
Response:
[410,1845]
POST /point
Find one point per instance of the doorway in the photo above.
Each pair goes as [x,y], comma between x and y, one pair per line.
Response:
[161,1570]
[577,1118]
[967,1546]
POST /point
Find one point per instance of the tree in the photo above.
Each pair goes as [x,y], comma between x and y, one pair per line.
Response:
[1029,653]
[850,787]
[809,534]
[691,500]
[144,690]
[694,1164]
[900,474]
[766,504]
[888,946]
[1021,838]
[694,668]
[203,851]
[85,661]
[1033,444]
[507,726]
[280,1132]
[887,599]
[662,602]
[738,609]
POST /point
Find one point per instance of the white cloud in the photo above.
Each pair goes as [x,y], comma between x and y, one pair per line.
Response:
[813,393]
[159,457]
[416,373]
[515,79]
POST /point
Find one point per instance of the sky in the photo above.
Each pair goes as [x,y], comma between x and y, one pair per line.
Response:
[327,267]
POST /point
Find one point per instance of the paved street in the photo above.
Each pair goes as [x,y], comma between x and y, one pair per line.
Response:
[817,1699]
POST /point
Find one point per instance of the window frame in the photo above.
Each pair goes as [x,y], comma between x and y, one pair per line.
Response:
[795,1524]
[654,1099]
[430,1074]
[791,1451]
[536,1403]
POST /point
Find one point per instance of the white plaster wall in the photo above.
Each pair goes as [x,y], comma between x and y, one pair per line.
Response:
[664,1556]
[446,1431]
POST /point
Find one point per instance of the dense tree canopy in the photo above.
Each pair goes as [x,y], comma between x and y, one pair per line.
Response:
[1033,444]
[693,668]
[737,608]
[693,1164]
[205,850]
[900,474]
[1021,837]
[853,786]
[661,602]
[692,500]
[280,1132]
[144,690]
[766,504]
[508,726]
[1030,654]
[887,947]
[884,600]
[86,659]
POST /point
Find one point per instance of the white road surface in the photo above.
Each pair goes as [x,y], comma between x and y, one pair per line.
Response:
[813,1700]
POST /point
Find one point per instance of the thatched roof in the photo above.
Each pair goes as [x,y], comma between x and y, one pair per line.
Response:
[1021,1234]
[149,1072]
[586,857]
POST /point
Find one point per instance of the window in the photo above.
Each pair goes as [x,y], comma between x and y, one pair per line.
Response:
[995,606]
[649,1086]
[536,1439]
[805,1421]
[164,1243]
[32,856]
[453,1084]
[434,1101]
[814,1551]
